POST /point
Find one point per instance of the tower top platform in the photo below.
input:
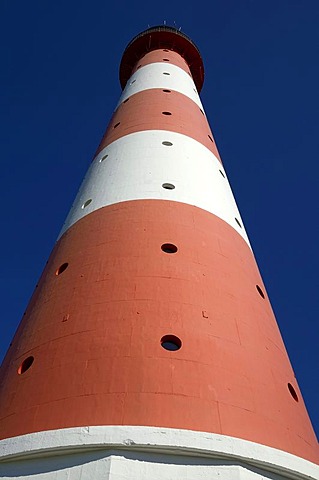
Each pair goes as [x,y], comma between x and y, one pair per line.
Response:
[157,37]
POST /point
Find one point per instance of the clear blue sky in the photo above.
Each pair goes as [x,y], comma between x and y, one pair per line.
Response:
[59,85]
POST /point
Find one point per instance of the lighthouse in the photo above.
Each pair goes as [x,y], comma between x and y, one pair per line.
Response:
[149,349]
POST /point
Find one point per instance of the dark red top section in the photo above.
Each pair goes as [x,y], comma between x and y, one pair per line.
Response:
[162,37]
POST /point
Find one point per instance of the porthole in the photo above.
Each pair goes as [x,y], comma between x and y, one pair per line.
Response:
[293,392]
[168,186]
[202,111]
[165,50]
[167,91]
[259,290]
[126,100]
[166,73]
[210,138]
[171,343]
[138,67]
[133,81]
[165,60]
[238,222]
[103,158]
[117,124]
[25,365]
[167,144]
[86,204]
[169,248]
[61,268]
[166,113]
[222,173]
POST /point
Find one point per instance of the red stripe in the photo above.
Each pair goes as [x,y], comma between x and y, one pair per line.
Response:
[144,110]
[94,332]
[160,56]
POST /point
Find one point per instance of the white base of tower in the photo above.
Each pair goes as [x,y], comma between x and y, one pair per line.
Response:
[144,453]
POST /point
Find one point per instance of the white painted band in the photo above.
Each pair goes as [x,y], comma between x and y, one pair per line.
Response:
[137,165]
[152,76]
[160,440]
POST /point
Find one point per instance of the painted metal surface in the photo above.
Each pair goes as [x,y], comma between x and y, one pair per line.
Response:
[138,262]
[157,110]
[143,453]
[166,57]
[152,76]
[137,166]
[162,39]
[95,333]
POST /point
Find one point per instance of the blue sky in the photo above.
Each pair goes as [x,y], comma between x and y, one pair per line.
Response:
[59,85]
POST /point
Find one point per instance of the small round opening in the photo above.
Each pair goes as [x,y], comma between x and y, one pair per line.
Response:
[25,365]
[166,73]
[165,50]
[165,59]
[166,113]
[293,392]
[210,138]
[138,67]
[222,173]
[171,343]
[167,91]
[169,248]
[133,81]
[126,100]
[87,203]
[117,124]
[61,268]
[168,186]
[167,144]
[103,158]
[202,111]
[238,222]
[259,290]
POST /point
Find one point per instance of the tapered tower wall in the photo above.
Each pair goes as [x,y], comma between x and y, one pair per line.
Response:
[151,311]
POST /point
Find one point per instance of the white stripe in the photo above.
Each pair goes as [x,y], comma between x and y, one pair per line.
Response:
[151,76]
[138,164]
[82,447]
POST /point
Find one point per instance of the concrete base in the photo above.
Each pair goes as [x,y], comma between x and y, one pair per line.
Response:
[144,453]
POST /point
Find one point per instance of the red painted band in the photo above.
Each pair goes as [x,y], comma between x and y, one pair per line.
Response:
[160,56]
[94,328]
[144,110]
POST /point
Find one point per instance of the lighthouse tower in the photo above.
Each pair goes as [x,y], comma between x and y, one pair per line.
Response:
[149,349]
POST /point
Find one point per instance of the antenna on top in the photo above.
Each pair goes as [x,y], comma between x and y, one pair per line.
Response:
[164,22]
